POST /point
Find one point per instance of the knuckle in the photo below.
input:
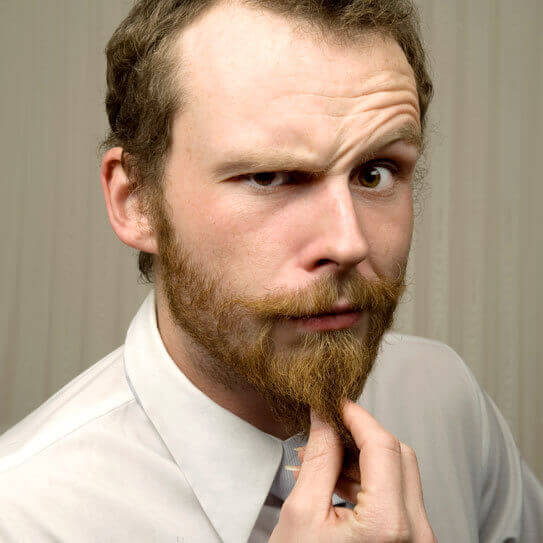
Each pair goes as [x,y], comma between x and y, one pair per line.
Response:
[382,526]
[389,441]
[360,495]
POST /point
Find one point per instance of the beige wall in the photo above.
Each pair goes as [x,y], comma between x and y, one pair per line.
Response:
[68,286]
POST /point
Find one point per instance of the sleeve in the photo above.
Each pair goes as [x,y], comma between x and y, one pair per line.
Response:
[511,499]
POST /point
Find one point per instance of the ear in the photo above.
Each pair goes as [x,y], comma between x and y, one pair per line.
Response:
[131,227]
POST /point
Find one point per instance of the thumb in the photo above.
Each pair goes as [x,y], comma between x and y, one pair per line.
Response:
[320,469]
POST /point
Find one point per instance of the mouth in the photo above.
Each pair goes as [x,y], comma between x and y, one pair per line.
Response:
[328,321]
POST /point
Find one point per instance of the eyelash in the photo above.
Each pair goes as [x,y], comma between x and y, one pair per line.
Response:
[299,177]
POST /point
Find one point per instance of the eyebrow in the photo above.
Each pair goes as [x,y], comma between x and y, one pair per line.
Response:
[270,160]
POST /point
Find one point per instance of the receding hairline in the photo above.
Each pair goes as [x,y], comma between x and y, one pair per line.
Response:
[324,32]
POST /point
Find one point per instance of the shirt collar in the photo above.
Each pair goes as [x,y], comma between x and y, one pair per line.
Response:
[229,463]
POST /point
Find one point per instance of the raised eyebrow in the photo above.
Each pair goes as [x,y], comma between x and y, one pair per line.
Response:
[407,133]
[287,162]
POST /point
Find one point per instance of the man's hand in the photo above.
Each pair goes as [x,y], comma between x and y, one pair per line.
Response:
[387,495]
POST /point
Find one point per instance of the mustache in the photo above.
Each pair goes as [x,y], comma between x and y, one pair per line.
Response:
[362,294]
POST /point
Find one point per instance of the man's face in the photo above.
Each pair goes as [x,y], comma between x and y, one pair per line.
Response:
[239,252]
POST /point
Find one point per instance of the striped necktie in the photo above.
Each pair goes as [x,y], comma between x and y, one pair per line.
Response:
[284,480]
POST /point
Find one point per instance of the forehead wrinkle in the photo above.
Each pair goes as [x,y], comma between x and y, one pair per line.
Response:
[401,78]
[369,107]
[381,91]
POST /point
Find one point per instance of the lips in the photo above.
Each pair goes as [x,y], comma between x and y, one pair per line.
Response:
[335,311]
[341,307]
[335,321]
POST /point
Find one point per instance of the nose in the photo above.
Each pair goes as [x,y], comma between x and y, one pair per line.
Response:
[338,239]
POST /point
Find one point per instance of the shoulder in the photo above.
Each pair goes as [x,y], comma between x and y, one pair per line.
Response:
[421,387]
[88,398]
[417,350]
[85,465]
[415,361]
[424,393]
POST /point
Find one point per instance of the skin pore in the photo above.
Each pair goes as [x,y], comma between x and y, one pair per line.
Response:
[288,188]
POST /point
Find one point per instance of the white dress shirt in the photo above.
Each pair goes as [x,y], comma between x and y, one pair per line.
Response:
[131,451]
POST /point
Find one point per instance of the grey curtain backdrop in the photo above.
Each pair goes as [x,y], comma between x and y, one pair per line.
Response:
[69,287]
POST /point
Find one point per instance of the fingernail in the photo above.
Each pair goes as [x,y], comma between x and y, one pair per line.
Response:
[292,468]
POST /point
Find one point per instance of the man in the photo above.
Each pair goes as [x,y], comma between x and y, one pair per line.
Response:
[262,158]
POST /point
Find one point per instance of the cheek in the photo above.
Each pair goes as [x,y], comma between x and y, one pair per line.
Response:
[233,241]
[390,238]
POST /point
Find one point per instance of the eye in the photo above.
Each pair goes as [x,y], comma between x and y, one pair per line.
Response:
[373,175]
[266,179]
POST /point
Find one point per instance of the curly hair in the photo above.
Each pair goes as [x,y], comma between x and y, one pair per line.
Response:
[143,91]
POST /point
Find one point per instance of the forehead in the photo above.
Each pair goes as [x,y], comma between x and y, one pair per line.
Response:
[252,69]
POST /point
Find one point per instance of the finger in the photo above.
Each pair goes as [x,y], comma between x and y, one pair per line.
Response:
[349,470]
[346,486]
[316,480]
[380,458]
[414,500]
